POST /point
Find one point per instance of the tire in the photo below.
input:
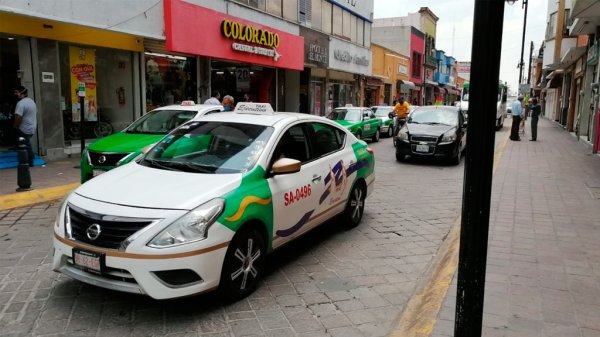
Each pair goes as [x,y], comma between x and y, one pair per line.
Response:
[102,129]
[355,206]
[400,157]
[359,134]
[242,271]
[455,160]
[376,135]
[390,132]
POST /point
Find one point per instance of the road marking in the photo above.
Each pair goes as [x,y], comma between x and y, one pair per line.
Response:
[420,314]
[33,197]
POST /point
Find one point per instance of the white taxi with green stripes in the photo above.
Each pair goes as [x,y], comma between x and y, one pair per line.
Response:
[203,207]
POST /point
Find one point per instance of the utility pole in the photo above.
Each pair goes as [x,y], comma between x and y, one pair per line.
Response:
[522,64]
[530,56]
[477,190]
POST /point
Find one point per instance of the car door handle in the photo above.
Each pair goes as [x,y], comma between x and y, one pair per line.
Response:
[316,178]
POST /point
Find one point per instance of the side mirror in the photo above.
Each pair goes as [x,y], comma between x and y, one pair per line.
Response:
[286,165]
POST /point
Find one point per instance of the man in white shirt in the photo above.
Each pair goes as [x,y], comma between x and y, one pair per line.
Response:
[214,99]
[516,112]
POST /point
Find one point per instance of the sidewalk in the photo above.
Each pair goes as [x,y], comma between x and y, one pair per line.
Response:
[46,181]
[543,266]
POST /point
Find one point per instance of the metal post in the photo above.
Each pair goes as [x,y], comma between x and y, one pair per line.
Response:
[485,69]
[82,122]
[522,64]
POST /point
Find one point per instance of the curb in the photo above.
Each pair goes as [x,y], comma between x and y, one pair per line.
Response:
[33,197]
[420,314]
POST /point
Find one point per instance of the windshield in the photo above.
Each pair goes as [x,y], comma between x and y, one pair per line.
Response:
[210,147]
[465,95]
[382,111]
[351,115]
[434,116]
[160,121]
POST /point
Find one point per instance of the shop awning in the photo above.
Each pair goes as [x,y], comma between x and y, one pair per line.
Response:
[443,90]
[406,85]
[374,82]
[453,92]
[431,83]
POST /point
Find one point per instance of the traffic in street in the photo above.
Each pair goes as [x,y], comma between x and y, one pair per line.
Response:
[329,282]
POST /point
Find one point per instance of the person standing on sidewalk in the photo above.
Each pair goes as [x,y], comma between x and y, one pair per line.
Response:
[535,110]
[25,119]
[516,111]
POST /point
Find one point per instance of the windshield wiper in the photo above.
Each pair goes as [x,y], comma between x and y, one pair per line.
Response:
[200,167]
[436,123]
[161,164]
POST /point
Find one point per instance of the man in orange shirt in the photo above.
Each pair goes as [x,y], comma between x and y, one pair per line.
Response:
[401,111]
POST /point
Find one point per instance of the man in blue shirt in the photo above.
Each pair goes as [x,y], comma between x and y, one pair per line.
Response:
[517,112]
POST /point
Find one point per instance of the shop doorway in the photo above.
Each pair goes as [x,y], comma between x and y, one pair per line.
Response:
[9,80]
[243,81]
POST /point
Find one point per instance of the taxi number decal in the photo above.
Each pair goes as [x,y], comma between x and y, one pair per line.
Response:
[293,196]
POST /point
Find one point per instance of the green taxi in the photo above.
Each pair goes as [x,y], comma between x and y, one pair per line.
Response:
[122,147]
[387,123]
[361,121]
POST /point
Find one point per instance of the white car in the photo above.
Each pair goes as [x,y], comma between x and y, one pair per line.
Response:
[202,208]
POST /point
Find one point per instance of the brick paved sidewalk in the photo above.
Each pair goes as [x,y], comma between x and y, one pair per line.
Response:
[543,269]
[54,173]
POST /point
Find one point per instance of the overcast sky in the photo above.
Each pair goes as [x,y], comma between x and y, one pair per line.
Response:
[455,29]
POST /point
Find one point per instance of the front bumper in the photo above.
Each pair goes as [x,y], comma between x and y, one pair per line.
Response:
[159,273]
[447,150]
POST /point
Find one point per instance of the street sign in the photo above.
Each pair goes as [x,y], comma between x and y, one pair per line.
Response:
[81,89]
[524,88]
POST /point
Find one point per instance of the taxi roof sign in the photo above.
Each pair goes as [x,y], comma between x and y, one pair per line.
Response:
[254,108]
[187,103]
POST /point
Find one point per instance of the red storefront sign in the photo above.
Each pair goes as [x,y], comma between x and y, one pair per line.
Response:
[196,30]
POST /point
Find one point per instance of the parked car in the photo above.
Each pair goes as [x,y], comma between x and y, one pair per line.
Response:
[433,131]
[120,148]
[361,121]
[203,207]
[387,123]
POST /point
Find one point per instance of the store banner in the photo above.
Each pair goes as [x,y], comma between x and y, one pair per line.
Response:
[316,48]
[82,65]
[196,30]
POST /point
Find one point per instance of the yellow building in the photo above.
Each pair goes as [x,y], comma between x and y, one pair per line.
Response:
[392,69]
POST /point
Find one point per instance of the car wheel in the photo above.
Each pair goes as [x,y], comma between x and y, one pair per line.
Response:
[390,132]
[376,136]
[359,134]
[455,160]
[243,265]
[355,206]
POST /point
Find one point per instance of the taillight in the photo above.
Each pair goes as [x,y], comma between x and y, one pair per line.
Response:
[370,150]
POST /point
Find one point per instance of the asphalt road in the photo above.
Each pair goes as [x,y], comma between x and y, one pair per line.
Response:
[331,282]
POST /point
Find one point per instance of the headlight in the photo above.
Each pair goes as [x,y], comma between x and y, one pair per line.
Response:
[60,219]
[191,227]
[449,136]
[403,135]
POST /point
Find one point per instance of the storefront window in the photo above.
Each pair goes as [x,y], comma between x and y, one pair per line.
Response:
[169,79]
[108,101]
[316,97]
[240,80]
[342,94]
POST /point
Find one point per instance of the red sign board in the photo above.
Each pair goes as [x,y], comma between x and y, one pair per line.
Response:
[196,30]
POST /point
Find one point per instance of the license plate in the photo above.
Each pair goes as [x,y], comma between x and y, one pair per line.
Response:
[88,260]
[98,172]
[422,148]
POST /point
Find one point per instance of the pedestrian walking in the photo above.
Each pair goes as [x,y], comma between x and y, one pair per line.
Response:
[214,98]
[535,110]
[25,119]
[228,103]
[516,112]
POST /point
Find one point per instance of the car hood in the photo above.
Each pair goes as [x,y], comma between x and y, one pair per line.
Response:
[426,129]
[140,186]
[124,142]
[345,123]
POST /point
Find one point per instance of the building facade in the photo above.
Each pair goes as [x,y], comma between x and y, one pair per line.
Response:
[393,70]
[144,54]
